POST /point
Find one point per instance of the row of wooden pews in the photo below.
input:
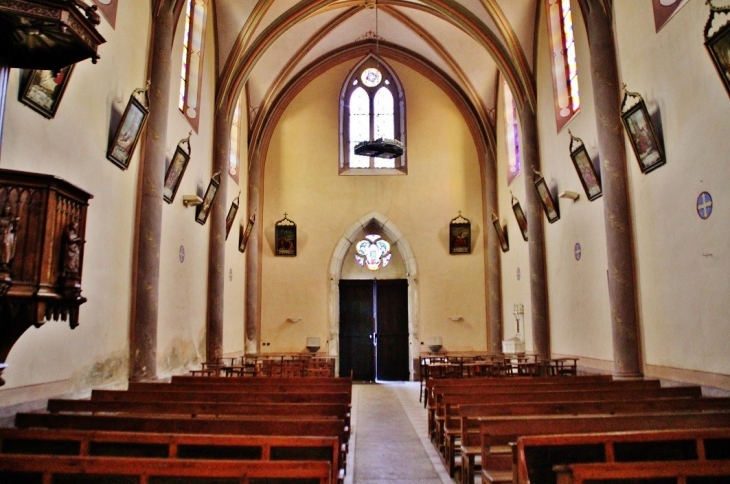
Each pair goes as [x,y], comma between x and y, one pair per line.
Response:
[547,430]
[194,429]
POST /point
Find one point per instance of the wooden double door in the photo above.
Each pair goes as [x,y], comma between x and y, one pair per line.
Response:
[374,329]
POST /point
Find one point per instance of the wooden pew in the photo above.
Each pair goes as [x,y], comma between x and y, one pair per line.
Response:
[261,381]
[14,468]
[501,431]
[220,396]
[677,472]
[606,391]
[195,409]
[467,425]
[513,381]
[85,443]
[535,456]
[299,387]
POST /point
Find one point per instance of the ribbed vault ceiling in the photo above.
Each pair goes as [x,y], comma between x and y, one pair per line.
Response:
[265,44]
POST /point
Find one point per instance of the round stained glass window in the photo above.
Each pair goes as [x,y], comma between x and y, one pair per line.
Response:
[371,77]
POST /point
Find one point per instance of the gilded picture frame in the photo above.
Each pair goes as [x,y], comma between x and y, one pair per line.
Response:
[43,90]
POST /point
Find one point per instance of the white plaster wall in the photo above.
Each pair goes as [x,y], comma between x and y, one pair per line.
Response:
[183,294]
[683,261]
[579,311]
[235,267]
[301,179]
[73,146]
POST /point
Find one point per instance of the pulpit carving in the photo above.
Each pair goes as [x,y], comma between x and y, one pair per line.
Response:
[42,236]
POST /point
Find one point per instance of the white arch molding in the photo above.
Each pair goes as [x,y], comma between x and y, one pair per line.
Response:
[396,239]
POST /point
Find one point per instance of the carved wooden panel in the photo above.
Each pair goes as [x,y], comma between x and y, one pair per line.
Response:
[42,236]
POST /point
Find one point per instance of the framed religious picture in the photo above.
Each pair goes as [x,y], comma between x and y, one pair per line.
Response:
[644,141]
[232,211]
[501,233]
[176,169]
[285,237]
[203,210]
[584,167]
[549,205]
[43,90]
[460,235]
[128,132]
[244,234]
[717,42]
[520,216]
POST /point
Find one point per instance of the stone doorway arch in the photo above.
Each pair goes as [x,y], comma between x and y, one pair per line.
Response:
[397,240]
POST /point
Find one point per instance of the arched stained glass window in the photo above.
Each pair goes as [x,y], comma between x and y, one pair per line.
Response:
[372,106]
[512,135]
[191,71]
[564,61]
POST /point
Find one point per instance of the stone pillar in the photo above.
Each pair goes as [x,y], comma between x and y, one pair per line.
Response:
[148,226]
[217,244]
[253,260]
[614,179]
[493,257]
[536,241]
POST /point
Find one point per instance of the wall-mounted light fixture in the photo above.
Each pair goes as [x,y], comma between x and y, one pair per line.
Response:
[569,194]
[435,343]
[313,344]
[456,318]
[293,320]
[191,200]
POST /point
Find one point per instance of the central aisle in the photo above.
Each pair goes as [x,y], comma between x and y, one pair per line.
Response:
[389,441]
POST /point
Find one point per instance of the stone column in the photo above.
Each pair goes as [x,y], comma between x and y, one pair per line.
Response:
[536,241]
[614,179]
[217,244]
[253,260]
[148,226]
[493,257]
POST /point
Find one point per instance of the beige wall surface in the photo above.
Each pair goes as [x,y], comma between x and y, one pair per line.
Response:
[682,264]
[579,311]
[73,147]
[682,276]
[301,179]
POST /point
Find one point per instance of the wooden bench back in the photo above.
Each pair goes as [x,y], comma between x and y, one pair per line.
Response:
[299,387]
[497,431]
[243,425]
[221,396]
[677,472]
[340,410]
[468,417]
[535,456]
[511,381]
[16,467]
[262,380]
[169,445]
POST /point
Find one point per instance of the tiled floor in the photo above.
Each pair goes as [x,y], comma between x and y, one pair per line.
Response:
[389,441]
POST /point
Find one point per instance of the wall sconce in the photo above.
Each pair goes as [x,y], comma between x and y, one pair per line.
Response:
[312,344]
[569,194]
[456,318]
[191,200]
[435,344]
[293,320]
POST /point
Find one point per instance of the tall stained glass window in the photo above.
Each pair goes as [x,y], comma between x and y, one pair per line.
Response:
[372,106]
[191,71]
[512,135]
[234,152]
[564,63]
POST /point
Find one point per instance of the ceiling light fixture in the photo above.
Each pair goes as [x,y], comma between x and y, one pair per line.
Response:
[381,147]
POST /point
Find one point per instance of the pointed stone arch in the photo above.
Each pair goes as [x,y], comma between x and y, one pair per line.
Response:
[398,240]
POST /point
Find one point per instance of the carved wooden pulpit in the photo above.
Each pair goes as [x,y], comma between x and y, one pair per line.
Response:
[42,229]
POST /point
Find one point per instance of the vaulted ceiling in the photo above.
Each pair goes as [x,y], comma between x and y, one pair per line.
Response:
[265,44]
